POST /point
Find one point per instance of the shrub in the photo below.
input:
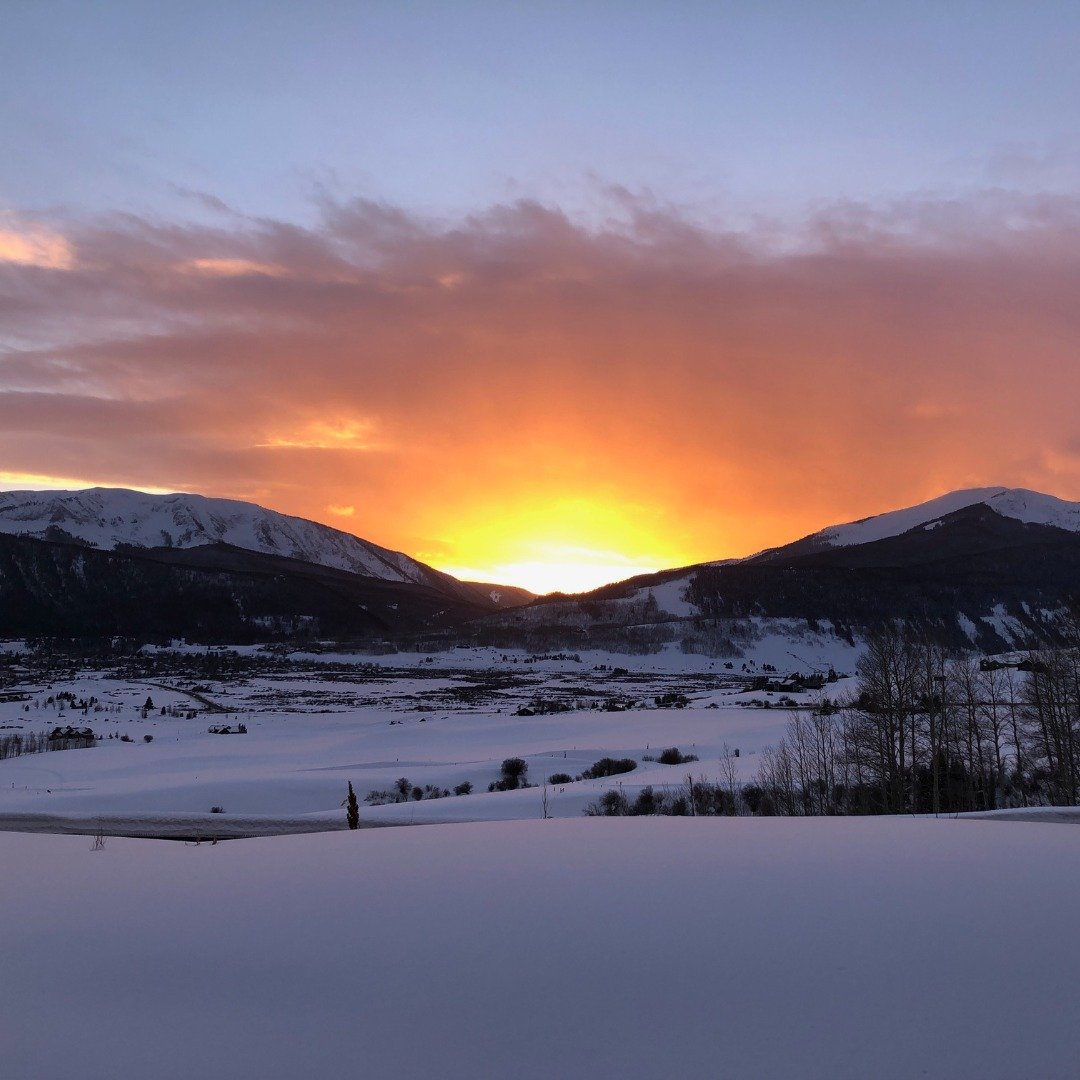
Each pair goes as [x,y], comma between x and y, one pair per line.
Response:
[647,802]
[217,809]
[609,767]
[611,804]
[514,770]
[674,756]
[463,789]
[404,790]
[560,778]
[671,701]
[697,797]
[148,738]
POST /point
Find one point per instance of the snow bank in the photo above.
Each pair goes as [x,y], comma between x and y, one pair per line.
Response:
[637,948]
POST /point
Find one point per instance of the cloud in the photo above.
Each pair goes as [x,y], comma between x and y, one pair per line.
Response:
[337,434]
[231,268]
[27,243]
[654,387]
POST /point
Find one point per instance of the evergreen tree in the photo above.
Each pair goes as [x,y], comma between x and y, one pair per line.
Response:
[352,814]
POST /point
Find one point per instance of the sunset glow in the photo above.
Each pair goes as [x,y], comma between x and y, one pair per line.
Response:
[33,245]
[560,544]
[10,481]
[627,400]
[521,324]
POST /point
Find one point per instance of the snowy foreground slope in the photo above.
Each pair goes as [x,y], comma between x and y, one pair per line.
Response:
[838,949]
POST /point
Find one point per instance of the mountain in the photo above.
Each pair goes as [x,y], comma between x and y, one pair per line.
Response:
[110,519]
[209,593]
[989,568]
[117,562]
[1017,504]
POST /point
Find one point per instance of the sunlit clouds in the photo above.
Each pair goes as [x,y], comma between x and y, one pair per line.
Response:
[230,268]
[519,396]
[30,244]
[325,435]
[13,481]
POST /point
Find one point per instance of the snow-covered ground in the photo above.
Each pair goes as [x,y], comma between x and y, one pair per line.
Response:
[647,948]
[485,941]
[309,733]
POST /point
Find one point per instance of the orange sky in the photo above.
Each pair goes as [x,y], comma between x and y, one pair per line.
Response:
[516,397]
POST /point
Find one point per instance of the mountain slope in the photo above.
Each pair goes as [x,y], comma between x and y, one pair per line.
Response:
[1018,504]
[112,518]
[987,568]
[208,593]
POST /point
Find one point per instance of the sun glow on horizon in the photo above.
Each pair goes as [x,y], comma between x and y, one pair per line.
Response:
[14,481]
[557,544]
[542,577]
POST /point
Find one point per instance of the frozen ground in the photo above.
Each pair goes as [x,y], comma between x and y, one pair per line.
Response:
[820,949]
[486,942]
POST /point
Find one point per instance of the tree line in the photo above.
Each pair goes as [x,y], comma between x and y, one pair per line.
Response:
[932,732]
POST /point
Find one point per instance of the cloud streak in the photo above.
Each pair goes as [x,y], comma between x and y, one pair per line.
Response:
[657,387]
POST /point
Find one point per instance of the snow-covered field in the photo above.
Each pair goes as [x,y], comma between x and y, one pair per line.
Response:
[311,732]
[837,949]
[486,941]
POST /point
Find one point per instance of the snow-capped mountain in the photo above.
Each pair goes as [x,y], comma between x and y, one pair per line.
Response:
[106,518]
[987,568]
[1030,507]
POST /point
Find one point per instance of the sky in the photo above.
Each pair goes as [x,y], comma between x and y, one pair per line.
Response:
[545,294]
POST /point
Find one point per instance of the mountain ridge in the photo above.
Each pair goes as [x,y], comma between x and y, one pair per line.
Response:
[990,568]
[109,519]
[1020,504]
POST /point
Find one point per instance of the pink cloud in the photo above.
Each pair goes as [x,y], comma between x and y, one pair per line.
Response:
[744,388]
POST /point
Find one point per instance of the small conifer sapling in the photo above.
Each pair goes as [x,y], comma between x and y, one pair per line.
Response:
[352,813]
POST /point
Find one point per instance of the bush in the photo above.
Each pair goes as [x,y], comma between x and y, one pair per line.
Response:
[699,798]
[404,790]
[671,701]
[674,756]
[148,738]
[648,802]
[611,804]
[609,767]
[463,789]
[560,778]
[514,770]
